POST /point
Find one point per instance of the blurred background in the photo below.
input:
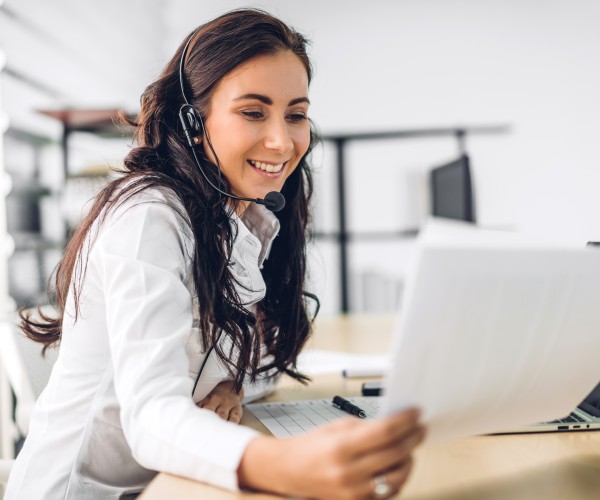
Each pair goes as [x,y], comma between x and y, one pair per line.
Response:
[502,94]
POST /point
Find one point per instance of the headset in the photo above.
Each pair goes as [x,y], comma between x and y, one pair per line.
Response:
[194,130]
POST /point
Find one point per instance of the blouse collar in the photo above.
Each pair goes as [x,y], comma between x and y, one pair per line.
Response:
[257,223]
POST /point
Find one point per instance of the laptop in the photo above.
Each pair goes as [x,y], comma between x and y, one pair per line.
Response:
[583,418]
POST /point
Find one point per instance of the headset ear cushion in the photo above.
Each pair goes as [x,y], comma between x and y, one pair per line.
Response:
[192,119]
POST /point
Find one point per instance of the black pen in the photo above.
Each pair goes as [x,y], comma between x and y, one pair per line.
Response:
[348,407]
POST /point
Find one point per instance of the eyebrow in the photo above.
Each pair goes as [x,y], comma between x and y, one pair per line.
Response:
[267,100]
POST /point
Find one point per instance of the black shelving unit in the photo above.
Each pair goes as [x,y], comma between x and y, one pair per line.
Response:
[23,207]
[343,236]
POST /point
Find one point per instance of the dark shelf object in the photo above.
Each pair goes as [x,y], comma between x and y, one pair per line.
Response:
[343,236]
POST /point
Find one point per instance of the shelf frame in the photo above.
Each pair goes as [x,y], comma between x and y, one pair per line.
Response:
[340,140]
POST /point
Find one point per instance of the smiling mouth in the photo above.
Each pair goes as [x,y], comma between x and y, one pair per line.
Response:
[267,167]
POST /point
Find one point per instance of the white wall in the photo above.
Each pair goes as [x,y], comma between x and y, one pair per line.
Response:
[94,54]
[418,63]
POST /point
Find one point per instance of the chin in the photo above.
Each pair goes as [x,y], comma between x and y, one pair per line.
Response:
[262,192]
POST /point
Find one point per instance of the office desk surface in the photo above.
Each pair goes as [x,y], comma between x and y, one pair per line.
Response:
[548,466]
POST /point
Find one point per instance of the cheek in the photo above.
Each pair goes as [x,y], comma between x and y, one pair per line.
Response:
[233,139]
[301,141]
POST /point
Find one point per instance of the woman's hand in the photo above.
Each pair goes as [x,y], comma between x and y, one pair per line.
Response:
[224,401]
[345,459]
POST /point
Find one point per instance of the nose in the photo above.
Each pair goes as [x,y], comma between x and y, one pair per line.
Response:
[278,138]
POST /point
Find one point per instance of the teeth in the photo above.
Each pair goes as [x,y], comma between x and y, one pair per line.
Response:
[266,167]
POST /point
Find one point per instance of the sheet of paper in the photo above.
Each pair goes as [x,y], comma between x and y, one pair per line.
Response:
[319,361]
[492,337]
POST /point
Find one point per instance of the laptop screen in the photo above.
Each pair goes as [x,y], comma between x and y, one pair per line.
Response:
[591,403]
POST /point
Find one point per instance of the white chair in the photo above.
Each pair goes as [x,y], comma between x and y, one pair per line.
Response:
[5,467]
[27,372]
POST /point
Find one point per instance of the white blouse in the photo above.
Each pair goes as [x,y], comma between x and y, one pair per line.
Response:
[118,405]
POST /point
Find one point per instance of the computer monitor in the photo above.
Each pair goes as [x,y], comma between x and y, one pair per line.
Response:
[452,191]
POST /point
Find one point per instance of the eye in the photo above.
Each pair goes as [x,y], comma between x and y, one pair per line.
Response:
[297,117]
[253,115]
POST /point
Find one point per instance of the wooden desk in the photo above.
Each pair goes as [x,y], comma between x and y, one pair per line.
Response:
[550,466]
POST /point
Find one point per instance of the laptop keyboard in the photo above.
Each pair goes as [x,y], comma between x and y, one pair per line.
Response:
[572,418]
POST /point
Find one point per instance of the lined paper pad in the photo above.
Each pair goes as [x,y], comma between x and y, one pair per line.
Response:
[296,417]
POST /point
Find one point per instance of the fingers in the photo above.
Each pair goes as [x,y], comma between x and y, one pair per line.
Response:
[233,413]
[389,480]
[373,436]
[341,459]
[394,478]
[226,409]
[224,401]
[391,456]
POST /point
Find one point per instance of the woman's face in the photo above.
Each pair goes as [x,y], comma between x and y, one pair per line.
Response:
[257,123]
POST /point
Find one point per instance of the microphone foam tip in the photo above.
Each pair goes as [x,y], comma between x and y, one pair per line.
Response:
[274,201]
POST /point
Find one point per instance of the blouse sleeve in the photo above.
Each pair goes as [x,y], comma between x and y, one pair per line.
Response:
[141,259]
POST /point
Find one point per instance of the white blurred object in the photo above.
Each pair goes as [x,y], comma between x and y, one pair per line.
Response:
[52,224]
[78,195]
[28,372]
[5,465]
[376,291]
[4,122]
[7,184]
[318,361]
[9,245]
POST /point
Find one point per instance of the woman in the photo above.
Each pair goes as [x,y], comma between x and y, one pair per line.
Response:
[174,296]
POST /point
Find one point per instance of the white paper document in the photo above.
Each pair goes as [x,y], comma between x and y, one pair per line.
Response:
[495,334]
[319,361]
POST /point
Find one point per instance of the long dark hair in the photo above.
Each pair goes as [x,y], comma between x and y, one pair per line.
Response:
[162,159]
